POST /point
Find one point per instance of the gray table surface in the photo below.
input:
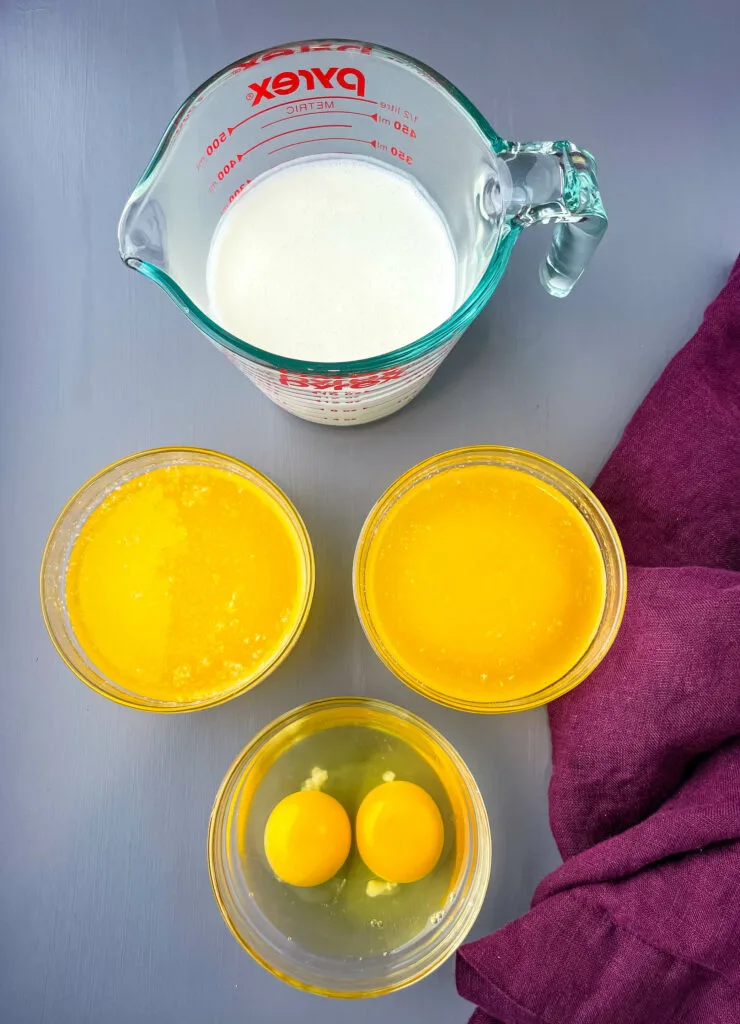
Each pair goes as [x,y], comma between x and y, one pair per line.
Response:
[106,914]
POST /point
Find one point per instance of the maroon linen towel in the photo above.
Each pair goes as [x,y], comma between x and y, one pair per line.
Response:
[641,923]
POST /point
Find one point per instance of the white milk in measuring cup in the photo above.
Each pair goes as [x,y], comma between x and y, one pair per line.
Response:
[331,259]
[334,214]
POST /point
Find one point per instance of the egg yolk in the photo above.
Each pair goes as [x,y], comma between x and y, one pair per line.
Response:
[399,832]
[307,838]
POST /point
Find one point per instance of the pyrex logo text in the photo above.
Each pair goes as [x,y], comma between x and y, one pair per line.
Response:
[288,82]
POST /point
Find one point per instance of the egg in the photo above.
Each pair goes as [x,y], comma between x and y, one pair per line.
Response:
[307,838]
[399,832]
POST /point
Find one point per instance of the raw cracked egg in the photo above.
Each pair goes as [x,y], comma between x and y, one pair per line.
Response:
[307,838]
[399,832]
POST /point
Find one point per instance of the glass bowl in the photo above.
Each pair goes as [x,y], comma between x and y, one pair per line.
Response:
[342,976]
[586,503]
[55,560]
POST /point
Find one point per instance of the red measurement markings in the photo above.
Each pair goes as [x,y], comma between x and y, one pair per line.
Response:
[226,169]
[290,103]
[328,138]
[396,108]
[327,108]
[399,126]
[215,143]
[290,131]
[394,151]
[320,113]
[354,383]
[405,129]
[236,194]
[400,155]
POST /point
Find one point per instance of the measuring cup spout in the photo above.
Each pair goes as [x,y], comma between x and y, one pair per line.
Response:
[141,234]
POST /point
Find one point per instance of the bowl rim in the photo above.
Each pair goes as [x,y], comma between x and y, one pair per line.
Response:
[137,701]
[476,875]
[553,474]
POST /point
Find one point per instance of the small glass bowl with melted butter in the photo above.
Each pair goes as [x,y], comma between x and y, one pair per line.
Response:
[489,579]
[176,579]
[349,848]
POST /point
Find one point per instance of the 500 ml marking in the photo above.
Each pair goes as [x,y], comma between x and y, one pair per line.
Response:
[211,148]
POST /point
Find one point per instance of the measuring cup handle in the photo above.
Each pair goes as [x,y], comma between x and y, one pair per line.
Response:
[556,182]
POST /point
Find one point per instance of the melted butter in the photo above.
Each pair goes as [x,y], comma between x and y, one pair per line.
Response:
[485,583]
[185,582]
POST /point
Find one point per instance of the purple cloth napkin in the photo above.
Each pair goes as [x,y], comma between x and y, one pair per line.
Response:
[641,923]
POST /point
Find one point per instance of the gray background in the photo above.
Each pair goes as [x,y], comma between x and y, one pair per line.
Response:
[106,910]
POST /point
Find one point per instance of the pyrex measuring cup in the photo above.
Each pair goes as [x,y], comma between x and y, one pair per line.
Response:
[327,97]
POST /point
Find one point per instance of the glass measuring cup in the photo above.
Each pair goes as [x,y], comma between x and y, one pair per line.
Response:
[324,97]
